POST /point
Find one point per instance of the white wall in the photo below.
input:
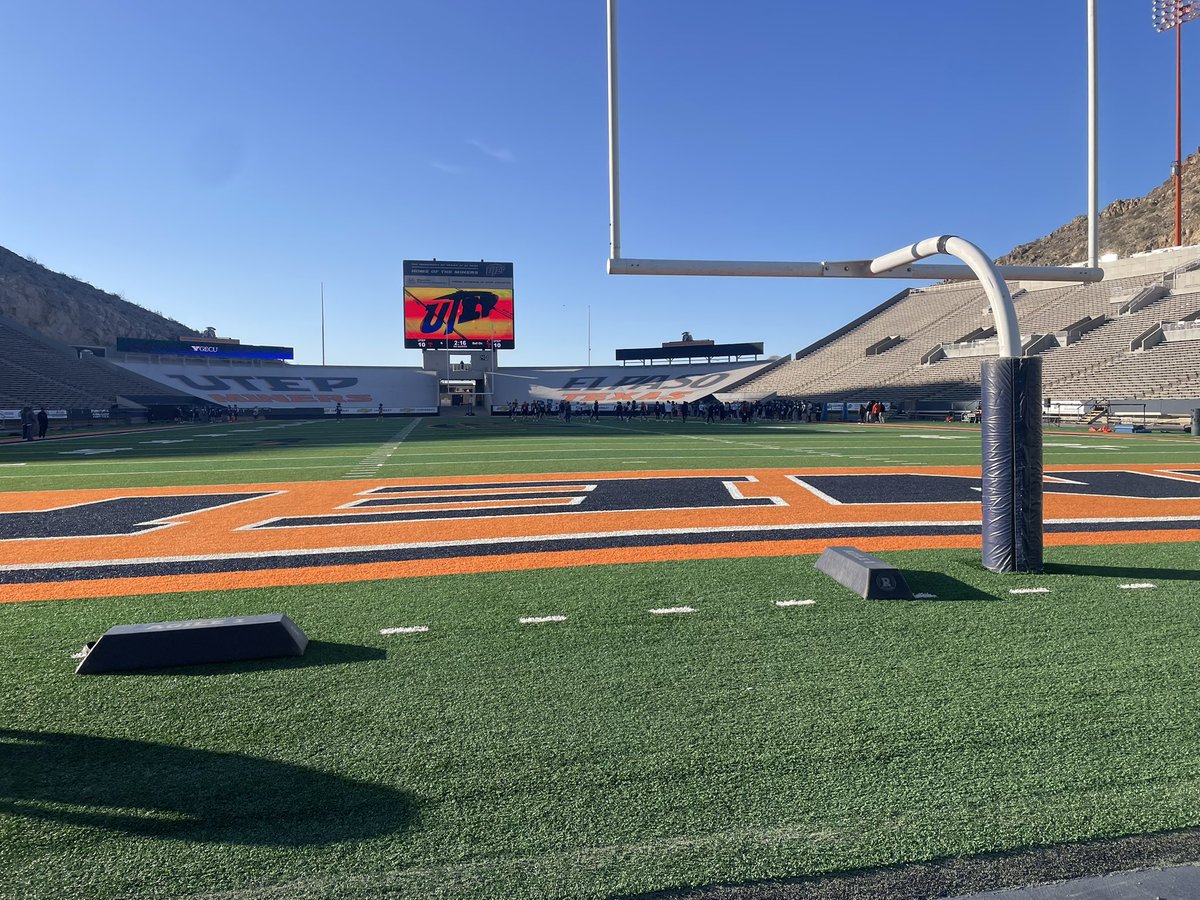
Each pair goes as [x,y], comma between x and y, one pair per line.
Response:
[608,385]
[296,387]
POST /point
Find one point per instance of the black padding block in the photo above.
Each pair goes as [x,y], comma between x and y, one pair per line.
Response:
[868,576]
[125,648]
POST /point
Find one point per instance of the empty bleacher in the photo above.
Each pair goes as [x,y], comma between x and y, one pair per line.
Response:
[38,371]
[1098,362]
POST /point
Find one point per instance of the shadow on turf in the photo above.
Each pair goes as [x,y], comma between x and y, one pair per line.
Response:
[967,875]
[1130,572]
[943,586]
[318,653]
[178,793]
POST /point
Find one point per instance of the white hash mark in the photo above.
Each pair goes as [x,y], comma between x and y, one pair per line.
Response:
[669,610]
[795,602]
[1136,587]
[1029,591]
[90,452]
[538,620]
[925,596]
[408,629]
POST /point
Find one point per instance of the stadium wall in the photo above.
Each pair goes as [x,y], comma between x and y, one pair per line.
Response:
[678,383]
[359,389]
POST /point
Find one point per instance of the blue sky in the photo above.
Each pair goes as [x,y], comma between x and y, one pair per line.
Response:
[217,161]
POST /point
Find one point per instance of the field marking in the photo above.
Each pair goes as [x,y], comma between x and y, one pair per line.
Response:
[1139,586]
[114,468]
[925,596]
[373,462]
[785,603]
[805,452]
[671,610]
[1038,590]
[405,629]
[92,452]
[540,620]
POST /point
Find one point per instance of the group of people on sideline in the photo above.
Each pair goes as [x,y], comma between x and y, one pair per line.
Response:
[711,410]
[31,421]
[872,412]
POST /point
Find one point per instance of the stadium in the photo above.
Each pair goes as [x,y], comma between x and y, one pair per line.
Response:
[700,621]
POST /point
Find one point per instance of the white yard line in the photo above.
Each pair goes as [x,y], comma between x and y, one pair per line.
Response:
[371,464]
[1140,586]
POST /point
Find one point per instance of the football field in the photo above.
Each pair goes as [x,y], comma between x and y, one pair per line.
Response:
[553,659]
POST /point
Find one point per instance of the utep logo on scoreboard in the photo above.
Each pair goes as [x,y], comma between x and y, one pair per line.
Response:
[458,305]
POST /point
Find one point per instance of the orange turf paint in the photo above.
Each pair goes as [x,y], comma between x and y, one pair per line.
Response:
[227,531]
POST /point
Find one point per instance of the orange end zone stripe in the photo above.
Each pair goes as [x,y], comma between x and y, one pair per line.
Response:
[221,530]
[225,581]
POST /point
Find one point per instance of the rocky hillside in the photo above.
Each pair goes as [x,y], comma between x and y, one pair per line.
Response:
[73,311]
[1126,226]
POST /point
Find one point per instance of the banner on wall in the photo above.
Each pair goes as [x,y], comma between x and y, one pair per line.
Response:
[296,387]
[619,384]
[452,305]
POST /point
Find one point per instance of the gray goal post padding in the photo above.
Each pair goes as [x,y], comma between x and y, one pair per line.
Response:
[1012,465]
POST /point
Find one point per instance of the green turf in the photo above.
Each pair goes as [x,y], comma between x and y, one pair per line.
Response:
[618,751]
[615,752]
[249,452]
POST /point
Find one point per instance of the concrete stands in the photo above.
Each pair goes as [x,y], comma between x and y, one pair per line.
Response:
[38,371]
[928,344]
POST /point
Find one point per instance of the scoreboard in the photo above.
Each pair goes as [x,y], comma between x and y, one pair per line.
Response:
[458,305]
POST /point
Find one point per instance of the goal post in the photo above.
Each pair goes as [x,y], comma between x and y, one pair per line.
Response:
[1011,384]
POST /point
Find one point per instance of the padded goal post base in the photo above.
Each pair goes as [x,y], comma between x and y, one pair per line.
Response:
[127,648]
[1012,464]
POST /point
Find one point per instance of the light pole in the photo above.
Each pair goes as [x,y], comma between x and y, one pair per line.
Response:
[1170,14]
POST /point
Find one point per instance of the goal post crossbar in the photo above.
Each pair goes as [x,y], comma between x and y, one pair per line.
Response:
[846,268]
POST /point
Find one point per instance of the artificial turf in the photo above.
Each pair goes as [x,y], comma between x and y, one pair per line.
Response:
[262,452]
[615,752]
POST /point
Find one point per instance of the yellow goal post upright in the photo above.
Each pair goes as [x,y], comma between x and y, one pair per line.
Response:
[1011,384]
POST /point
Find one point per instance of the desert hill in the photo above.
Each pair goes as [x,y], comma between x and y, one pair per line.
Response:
[1126,226]
[72,311]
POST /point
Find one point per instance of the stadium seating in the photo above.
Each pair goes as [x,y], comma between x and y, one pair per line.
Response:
[38,371]
[1097,363]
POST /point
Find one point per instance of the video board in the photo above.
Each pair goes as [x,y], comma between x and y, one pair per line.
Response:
[452,305]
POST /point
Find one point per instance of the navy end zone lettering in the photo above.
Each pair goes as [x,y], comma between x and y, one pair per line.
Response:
[403,504]
[912,488]
[110,518]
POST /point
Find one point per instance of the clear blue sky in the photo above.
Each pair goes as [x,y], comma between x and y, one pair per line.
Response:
[216,161]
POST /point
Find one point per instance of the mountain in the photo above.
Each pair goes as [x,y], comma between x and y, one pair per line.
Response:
[1126,226]
[73,311]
